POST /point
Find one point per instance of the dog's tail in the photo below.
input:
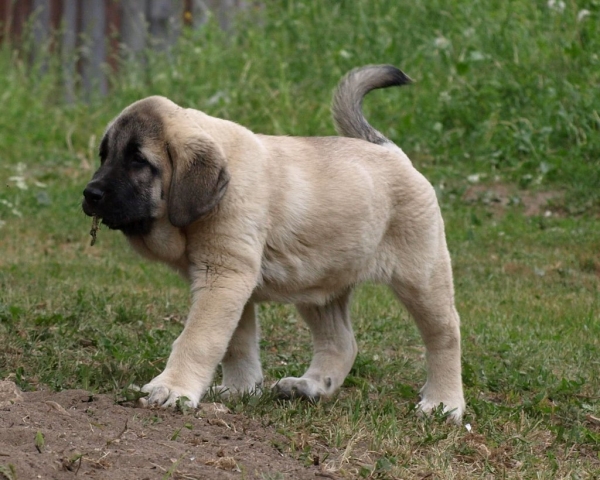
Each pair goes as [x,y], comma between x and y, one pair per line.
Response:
[348,97]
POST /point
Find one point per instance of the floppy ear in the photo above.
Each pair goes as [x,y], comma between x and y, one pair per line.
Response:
[199,179]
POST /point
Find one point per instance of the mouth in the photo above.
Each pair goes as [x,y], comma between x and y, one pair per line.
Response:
[118,217]
[130,227]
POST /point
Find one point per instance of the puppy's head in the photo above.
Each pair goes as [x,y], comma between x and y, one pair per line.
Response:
[155,162]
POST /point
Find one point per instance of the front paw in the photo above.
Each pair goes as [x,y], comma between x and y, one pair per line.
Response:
[164,392]
[453,405]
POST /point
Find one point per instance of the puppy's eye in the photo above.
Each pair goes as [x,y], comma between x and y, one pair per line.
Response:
[138,161]
[103,150]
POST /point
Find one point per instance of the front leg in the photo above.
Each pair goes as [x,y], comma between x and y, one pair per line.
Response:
[217,305]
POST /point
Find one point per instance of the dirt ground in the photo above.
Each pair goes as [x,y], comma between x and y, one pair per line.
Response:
[74,434]
[499,196]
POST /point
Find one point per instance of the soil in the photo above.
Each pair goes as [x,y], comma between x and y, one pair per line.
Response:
[499,196]
[74,434]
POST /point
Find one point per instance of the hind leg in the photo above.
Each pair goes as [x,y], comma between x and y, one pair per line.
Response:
[431,302]
[241,364]
[334,351]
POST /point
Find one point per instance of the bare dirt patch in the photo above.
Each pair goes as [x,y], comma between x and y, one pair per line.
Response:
[74,434]
[499,196]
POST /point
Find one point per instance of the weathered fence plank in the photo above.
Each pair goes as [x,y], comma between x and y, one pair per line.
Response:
[93,53]
[94,31]
[165,19]
[225,11]
[68,46]
[133,25]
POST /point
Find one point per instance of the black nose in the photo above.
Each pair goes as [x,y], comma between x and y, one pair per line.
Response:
[93,194]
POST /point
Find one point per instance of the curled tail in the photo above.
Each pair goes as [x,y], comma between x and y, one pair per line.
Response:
[347,100]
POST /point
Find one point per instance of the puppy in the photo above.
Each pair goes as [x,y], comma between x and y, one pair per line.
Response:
[248,218]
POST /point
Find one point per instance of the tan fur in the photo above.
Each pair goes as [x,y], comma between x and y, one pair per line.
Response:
[303,220]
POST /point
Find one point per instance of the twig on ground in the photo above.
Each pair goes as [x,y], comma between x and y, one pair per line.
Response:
[118,437]
[57,407]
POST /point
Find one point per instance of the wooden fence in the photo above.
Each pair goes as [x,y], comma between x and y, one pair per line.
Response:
[93,33]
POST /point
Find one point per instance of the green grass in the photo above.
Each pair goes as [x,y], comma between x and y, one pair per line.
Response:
[504,90]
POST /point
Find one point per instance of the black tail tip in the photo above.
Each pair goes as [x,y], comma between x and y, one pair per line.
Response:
[397,76]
